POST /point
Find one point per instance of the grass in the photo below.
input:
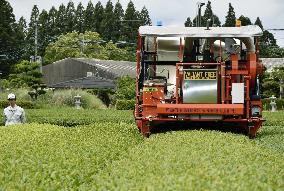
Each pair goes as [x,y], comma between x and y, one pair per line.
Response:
[103,150]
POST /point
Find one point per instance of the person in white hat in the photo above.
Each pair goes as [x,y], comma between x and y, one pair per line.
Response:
[13,114]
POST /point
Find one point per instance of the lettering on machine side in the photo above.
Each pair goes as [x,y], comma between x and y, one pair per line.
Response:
[199,75]
[201,110]
[150,89]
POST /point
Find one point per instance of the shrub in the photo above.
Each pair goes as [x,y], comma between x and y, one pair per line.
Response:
[66,98]
[266,104]
[125,104]
[22,103]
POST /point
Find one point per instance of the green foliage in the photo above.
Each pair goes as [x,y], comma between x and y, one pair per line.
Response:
[208,14]
[144,17]
[61,98]
[199,160]
[231,17]
[118,15]
[57,158]
[258,22]
[89,18]
[245,20]
[110,154]
[22,103]
[130,24]
[70,21]
[106,95]
[271,82]
[70,117]
[88,45]
[79,18]
[126,88]
[125,104]
[60,20]
[27,74]
[11,38]
[188,22]
[107,23]
[279,104]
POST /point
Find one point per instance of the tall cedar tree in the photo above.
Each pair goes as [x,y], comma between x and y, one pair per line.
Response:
[43,28]
[144,17]
[70,17]
[208,14]
[107,22]
[244,20]
[99,16]
[188,22]
[231,17]
[31,30]
[117,25]
[10,48]
[51,27]
[22,34]
[60,20]
[89,17]
[258,22]
[131,23]
[79,18]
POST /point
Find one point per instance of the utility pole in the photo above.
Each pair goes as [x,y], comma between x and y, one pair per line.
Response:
[35,39]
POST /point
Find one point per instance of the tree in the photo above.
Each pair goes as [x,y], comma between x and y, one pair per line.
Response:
[125,88]
[144,17]
[60,20]
[208,14]
[99,16]
[231,17]
[271,82]
[10,42]
[90,19]
[268,46]
[22,36]
[107,22]
[75,45]
[79,18]
[188,22]
[118,15]
[27,74]
[51,26]
[43,31]
[131,23]
[258,22]
[22,24]
[31,31]
[70,17]
[245,20]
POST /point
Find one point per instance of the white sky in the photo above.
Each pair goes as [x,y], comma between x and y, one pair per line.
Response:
[175,12]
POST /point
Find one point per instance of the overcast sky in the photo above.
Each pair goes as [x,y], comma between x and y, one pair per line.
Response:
[175,12]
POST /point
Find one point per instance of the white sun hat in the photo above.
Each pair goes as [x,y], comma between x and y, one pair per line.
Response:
[11,96]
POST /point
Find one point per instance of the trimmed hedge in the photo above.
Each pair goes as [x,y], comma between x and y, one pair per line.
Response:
[266,104]
[21,103]
[125,104]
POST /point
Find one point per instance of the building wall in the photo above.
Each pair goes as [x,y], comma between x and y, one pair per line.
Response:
[70,69]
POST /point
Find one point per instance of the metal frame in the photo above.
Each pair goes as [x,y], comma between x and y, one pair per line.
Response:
[151,108]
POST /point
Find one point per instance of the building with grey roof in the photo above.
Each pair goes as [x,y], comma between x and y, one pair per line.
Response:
[86,73]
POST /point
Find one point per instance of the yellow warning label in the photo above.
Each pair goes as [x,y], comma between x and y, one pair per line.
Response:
[199,75]
[148,89]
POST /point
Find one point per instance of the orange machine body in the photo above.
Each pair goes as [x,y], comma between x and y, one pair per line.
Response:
[209,77]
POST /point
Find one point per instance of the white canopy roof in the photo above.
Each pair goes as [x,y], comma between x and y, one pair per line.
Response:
[163,31]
